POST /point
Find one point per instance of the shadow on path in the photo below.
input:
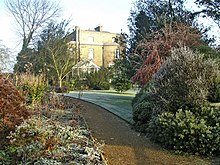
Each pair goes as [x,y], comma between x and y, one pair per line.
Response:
[124,146]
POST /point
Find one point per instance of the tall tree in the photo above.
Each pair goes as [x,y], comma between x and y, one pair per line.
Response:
[30,17]
[149,17]
[58,54]
[210,8]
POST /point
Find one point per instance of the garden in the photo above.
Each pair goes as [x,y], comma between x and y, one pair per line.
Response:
[168,55]
[47,130]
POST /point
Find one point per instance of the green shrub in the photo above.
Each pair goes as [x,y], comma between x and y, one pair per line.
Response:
[98,80]
[184,80]
[214,91]
[142,114]
[192,131]
[121,83]
[32,87]
[143,94]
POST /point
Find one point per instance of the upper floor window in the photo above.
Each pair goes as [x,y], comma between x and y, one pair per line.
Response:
[90,39]
[113,39]
[117,54]
[91,54]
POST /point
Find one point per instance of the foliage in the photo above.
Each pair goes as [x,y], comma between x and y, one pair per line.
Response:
[148,17]
[214,91]
[170,107]
[25,61]
[152,52]
[12,107]
[99,80]
[209,8]
[184,80]
[151,25]
[30,17]
[59,54]
[191,130]
[143,107]
[80,84]
[52,142]
[121,83]
[142,115]
[31,86]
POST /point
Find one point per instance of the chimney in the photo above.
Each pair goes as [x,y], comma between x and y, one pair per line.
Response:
[98,28]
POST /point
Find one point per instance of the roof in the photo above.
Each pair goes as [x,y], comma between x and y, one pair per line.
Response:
[85,63]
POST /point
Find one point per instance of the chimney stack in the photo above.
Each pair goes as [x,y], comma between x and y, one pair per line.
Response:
[98,28]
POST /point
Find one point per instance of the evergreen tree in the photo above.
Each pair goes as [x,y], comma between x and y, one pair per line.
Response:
[210,8]
[147,19]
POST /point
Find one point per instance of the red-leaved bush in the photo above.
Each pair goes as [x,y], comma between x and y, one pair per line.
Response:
[12,106]
[153,52]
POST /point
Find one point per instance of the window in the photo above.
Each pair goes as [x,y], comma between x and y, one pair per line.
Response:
[117,54]
[113,39]
[91,39]
[91,54]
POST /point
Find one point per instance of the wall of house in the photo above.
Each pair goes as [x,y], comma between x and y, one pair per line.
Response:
[101,42]
[97,52]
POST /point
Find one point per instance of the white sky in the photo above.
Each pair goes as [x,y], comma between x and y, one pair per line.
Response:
[87,14]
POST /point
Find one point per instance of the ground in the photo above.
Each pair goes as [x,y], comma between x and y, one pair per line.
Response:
[125,146]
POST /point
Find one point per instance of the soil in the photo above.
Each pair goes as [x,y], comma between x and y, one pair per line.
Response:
[124,146]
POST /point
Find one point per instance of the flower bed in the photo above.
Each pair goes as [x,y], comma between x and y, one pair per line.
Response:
[52,136]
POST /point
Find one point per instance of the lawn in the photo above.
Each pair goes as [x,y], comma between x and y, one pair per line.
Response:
[119,104]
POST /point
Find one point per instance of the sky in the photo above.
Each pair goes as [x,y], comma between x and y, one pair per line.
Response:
[87,14]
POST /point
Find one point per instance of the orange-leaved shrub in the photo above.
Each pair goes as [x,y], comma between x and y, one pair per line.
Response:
[12,106]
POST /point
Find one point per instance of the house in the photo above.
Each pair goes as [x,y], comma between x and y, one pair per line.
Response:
[95,48]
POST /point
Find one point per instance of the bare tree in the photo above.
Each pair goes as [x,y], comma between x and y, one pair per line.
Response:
[5,59]
[31,15]
[56,47]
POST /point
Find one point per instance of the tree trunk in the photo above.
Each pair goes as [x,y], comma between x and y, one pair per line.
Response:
[60,82]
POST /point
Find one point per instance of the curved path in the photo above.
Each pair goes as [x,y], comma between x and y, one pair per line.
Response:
[124,146]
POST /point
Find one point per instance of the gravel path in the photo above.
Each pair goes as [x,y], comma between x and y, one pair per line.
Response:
[124,146]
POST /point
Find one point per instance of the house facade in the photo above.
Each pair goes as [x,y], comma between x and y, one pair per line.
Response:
[96,46]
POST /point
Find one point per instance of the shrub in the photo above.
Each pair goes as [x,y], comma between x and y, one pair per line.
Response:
[99,80]
[143,94]
[184,80]
[179,89]
[192,130]
[121,83]
[32,87]
[52,143]
[142,114]
[12,107]
[214,91]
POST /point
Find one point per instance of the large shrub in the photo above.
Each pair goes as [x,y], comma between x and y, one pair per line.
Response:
[99,80]
[214,91]
[121,83]
[184,80]
[12,107]
[192,130]
[143,107]
[175,102]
